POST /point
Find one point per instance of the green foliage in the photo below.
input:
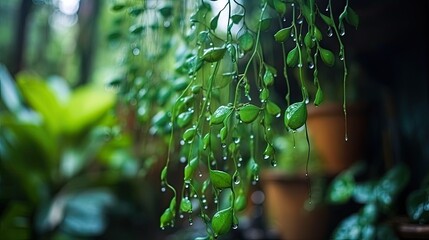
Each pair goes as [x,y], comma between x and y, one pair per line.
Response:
[376,195]
[51,140]
[198,75]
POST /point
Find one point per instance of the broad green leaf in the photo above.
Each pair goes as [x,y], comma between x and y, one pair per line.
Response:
[248,113]
[295,115]
[222,221]
[264,94]
[86,107]
[292,58]
[220,179]
[42,100]
[220,114]
[213,54]
[282,34]
[246,41]
[327,56]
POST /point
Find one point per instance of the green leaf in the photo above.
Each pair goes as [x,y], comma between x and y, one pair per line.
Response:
[214,21]
[222,221]
[164,174]
[264,94]
[280,7]
[327,56]
[190,169]
[282,34]
[220,179]
[186,205]
[220,114]
[273,109]
[248,113]
[189,134]
[268,77]
[341,190]
[214,54]
[295,115]
[166,11]
[206,141]
[237,18]
[118,7]
[293,57]
[136,29]
[240,201]
[184,118]
[352,17]
[223,133]
[265,23]
[42,99]
[327,20]
[308,41]
[166,218]
[319,97]
[246,41]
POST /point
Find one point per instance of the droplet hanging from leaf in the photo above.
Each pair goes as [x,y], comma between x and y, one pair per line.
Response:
[220,114]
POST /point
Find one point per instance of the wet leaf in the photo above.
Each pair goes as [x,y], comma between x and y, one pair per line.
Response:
[293,57]
[184,118]
[166,218]
[282,34]
[265,93]
[273,109]
[222,221]
[223,133]
[189,134]
[220,179]
[186,205]
[190,169]
[268,78]
[214,54]
[295,115]
[240,201]
[248,113]
[220,114]
[246,41]
[327,56]
[265,23]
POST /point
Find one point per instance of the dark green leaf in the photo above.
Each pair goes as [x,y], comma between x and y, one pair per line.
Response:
[186,205]
[280,7]
[136,29]
[265,23]
[237,18]
[352,18]
[273,109]
[319,97]
[268,78]
[166,11]
[166,218]
[327,20]
[214,21]
[118,7]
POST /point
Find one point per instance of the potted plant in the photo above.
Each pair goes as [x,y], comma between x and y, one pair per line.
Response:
[294,202]
[201,75]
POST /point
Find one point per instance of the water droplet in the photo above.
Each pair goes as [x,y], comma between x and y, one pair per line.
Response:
[342,30]
[310,65]
[238,164]
[307,100]
[200,175]
[182,159]
[330,32]
[240,159]
[181,216]
[162,228]
[234,226]
[136,51]
[163,189]
[299,65]
[237,179]
[251,136]
[266,157]
[300,20]
[190,221]
[274,163]
[278,115]
[284,19]
[186,185]
[182,142]
[292,5]
[237,140]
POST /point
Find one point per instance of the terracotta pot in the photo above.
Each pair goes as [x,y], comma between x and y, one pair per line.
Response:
[284,205]
[326,129]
